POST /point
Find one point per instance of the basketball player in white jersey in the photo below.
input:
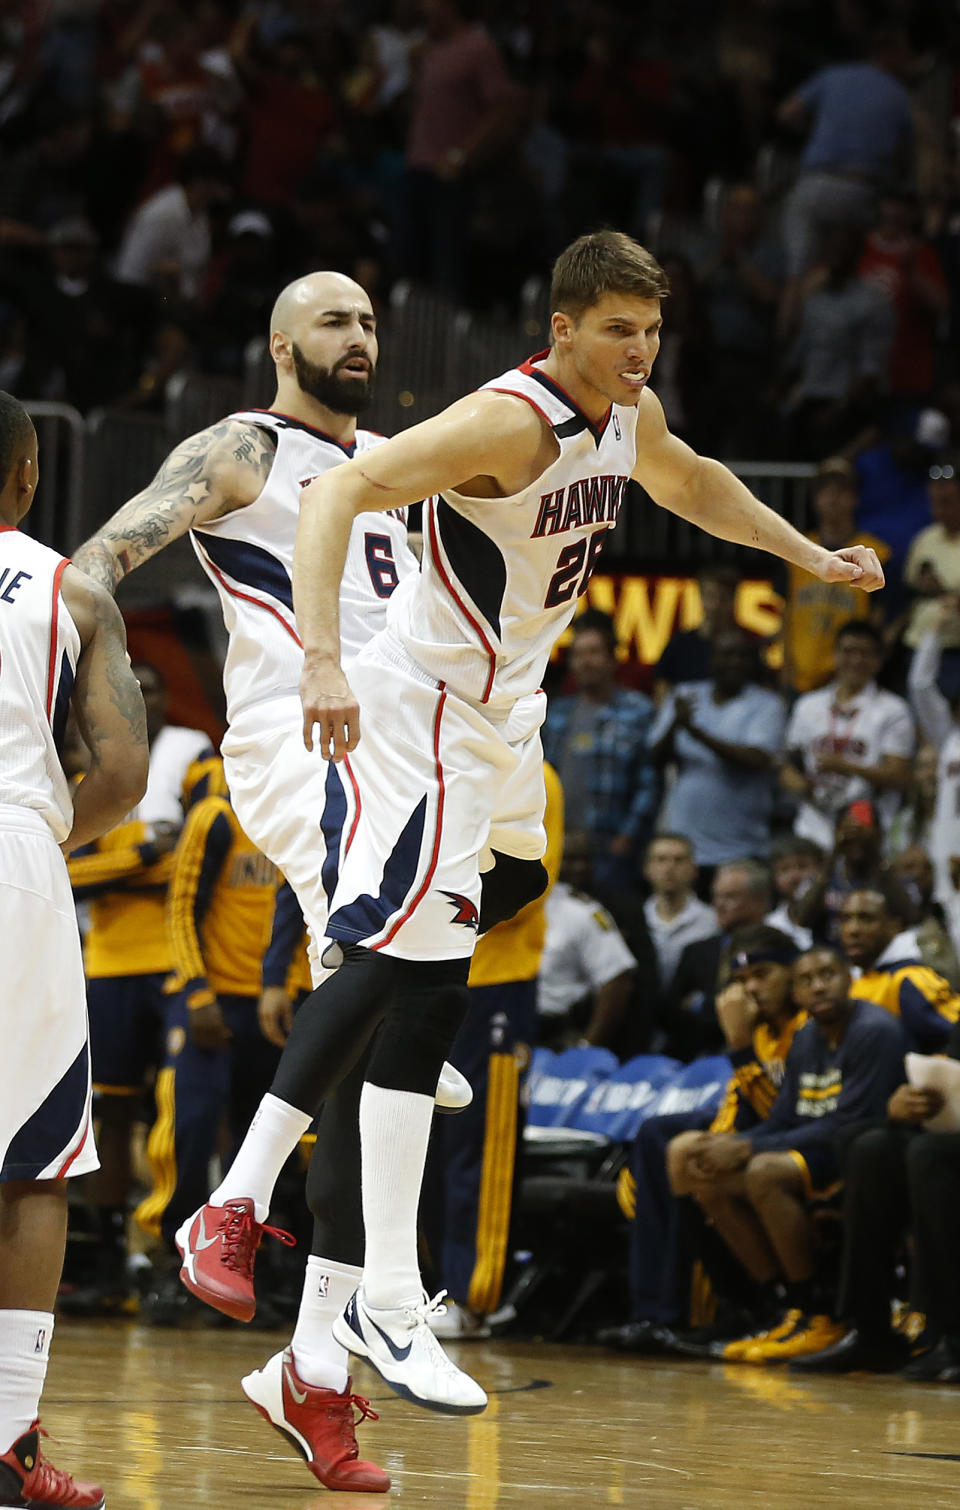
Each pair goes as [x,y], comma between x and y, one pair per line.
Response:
[237,488]
[532,471]
[62,646]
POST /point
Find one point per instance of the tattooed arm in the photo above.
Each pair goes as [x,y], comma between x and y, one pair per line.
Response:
[109,710]
[206,476]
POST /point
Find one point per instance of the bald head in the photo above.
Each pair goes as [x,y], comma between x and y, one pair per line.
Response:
[323,340]
[299,304]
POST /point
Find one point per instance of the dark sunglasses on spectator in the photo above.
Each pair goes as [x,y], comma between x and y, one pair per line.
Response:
[942,474]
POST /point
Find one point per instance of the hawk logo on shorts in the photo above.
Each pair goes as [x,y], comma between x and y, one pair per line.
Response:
[467,913]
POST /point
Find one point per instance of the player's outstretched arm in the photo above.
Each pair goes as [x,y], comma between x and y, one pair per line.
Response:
[708,494]
[490,435]
[110,714]
[209,474]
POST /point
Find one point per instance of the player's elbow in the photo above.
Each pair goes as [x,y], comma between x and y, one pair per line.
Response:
[123,769]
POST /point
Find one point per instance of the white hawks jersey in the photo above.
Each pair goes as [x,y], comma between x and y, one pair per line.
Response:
[39,649]
[501,576]
[248,556]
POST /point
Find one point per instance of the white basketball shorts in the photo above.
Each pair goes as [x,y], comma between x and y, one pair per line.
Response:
[434,785]
[46,1129]
[279,790]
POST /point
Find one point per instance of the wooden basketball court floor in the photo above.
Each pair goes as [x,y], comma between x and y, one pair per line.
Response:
[158,1418]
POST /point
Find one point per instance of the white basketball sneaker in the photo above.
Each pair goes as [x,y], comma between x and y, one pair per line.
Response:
[454,1091]
[399,1344]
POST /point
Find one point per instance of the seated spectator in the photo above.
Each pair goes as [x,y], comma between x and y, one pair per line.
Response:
[167,243]
[889,970]
[855,864]
[932,566]
[759,1021]
[797,864]
[813,611]
[837,362]
[586,971]
[907,270]
[688,654]
[596,741]
[675,914]
[848,740]
[914,870]
[899,1179]
[741,896]
[840,1071]
[894,491]
[724,737]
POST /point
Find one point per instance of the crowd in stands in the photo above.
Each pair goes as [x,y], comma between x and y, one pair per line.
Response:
[164,168]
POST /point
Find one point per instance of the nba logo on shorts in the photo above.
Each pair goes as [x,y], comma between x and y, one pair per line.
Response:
[323,1286]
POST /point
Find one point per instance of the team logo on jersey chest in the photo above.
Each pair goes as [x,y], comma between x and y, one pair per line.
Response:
[591,500]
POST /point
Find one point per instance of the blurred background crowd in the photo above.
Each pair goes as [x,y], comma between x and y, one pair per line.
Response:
[795,164]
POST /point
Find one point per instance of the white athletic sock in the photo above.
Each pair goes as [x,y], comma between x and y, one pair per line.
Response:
[271,1138]
[394,1133]
[24,1354]
[318,1358]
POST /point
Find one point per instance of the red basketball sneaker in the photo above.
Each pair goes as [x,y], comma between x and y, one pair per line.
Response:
[218,1245]
[29,1482]
[317,1421]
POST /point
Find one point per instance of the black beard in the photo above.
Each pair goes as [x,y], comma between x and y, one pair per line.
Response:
[340,392]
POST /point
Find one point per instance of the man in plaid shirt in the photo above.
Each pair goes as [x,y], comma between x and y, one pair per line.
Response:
[596,740]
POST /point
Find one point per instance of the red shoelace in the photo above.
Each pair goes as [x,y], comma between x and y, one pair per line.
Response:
[242,1235]
[348,1425]
[46,1479]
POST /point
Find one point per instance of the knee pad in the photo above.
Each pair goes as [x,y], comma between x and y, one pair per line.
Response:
[508,887]
[428,1007]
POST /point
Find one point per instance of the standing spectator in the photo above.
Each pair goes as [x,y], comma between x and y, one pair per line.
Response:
[596,740]
[848,740]
[837,364]
[814,611]
[688,654]
[289,113]
[92,340]
[724,737]
[797,864]
[740,276]
[464,112]
[586,970]
[933,561]
[908,271]
[167,242]
[675,915]
[861,127]
[914,823]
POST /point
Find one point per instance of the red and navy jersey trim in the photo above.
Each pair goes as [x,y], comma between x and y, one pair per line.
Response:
[580,421]
[289,422]
[250,566]
[471,619]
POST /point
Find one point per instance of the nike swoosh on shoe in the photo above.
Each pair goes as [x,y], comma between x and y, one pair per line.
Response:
[399,1353]
[298,1395]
